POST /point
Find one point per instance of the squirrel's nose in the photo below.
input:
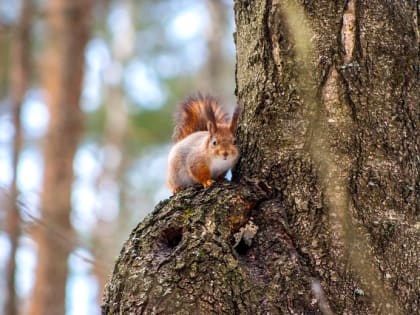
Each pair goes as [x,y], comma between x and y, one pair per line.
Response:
[225,154]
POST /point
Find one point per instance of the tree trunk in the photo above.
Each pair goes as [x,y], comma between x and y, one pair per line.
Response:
[68,24]
[217,75]
[19,81]
[114,165]
[321,216]
[114,141]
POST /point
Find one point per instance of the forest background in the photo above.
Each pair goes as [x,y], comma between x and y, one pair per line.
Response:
[140,59]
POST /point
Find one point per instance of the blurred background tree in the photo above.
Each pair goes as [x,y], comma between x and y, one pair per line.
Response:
[87,93]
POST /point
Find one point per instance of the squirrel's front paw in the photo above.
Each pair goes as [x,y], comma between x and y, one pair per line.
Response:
[208,182]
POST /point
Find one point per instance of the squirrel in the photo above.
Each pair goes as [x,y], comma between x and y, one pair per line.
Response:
[205,145]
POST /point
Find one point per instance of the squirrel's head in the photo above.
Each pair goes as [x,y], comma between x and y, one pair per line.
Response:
[222,140]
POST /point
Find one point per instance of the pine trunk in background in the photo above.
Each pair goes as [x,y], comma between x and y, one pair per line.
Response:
[322,215]
[19,81]
[110,184]
[104,241]
[214,77]
[68,24]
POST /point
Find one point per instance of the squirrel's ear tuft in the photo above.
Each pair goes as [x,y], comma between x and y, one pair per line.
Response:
[235,118]
[211,127]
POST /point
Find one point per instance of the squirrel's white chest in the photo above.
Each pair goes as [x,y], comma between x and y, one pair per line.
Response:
[219,166]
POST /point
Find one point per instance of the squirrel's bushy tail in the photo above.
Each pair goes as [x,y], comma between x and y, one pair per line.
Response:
[194,114]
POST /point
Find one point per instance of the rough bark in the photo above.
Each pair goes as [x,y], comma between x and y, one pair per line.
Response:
[328,177]
[68,24]
[20,72]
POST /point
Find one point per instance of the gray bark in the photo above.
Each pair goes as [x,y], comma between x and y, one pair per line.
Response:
[328,177]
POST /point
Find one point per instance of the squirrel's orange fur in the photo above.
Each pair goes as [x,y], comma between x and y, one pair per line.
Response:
[205,146]
[194,114]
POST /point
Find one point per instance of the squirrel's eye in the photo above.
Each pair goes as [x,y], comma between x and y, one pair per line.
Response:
[214,143]
[234,141]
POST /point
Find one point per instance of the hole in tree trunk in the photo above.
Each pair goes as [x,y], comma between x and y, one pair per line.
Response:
[242,240]
[242,248]
[171,236]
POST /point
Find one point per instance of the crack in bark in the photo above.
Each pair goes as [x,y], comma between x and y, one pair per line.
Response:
[348,34]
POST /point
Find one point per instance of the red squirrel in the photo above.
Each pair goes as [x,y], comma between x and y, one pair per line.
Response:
[205,145]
